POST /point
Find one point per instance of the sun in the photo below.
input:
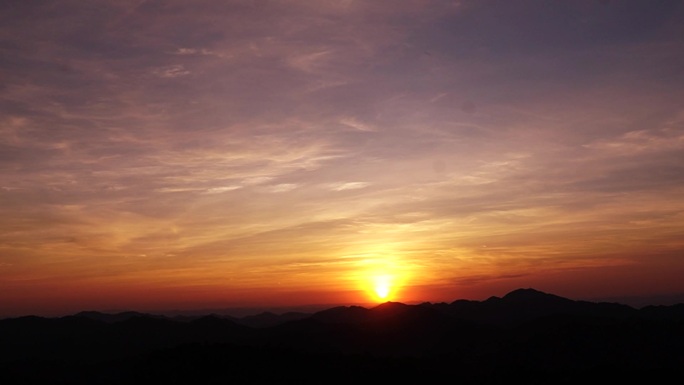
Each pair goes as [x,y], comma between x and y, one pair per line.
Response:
[382,278]
[382,286]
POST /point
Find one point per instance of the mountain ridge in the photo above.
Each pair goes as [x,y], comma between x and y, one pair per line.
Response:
[526,334]
[532,303]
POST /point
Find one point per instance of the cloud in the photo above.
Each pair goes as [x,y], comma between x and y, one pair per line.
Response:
[257,180]
[218,190]
[349,186]
[285,135]
[309,62]
[356,124]
[283,187]
[642,141]
[193,51]
[172,71]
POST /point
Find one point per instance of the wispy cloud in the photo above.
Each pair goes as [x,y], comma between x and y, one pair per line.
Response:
[193,51]
[172,71]
[642,141]
[283,187]
[349,186]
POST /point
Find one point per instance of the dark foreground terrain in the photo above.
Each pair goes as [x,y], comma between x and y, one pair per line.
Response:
[526,335]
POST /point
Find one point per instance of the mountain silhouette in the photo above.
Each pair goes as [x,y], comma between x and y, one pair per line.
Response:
[523,305]
[269,319]
[526,335]
[112,318]
[342,314]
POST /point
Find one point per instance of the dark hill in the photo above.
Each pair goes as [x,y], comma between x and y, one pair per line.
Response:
[112,318]
[342,314]
[268,319]
[523,305]
[526,335]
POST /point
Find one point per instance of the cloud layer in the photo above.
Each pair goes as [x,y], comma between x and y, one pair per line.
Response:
[231,152]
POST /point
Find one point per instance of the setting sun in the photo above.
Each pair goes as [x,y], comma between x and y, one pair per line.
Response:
[382,286]
[384,278]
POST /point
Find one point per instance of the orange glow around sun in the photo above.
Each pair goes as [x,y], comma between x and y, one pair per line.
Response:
[383,275]
[382,286]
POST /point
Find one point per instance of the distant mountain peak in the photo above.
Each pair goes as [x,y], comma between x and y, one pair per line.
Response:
[390,309]
[526,291]
[529,294]
[390,305]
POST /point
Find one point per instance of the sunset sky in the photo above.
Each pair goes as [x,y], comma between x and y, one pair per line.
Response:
[203,154]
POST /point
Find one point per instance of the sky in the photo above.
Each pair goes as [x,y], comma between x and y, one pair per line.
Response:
[202,154]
